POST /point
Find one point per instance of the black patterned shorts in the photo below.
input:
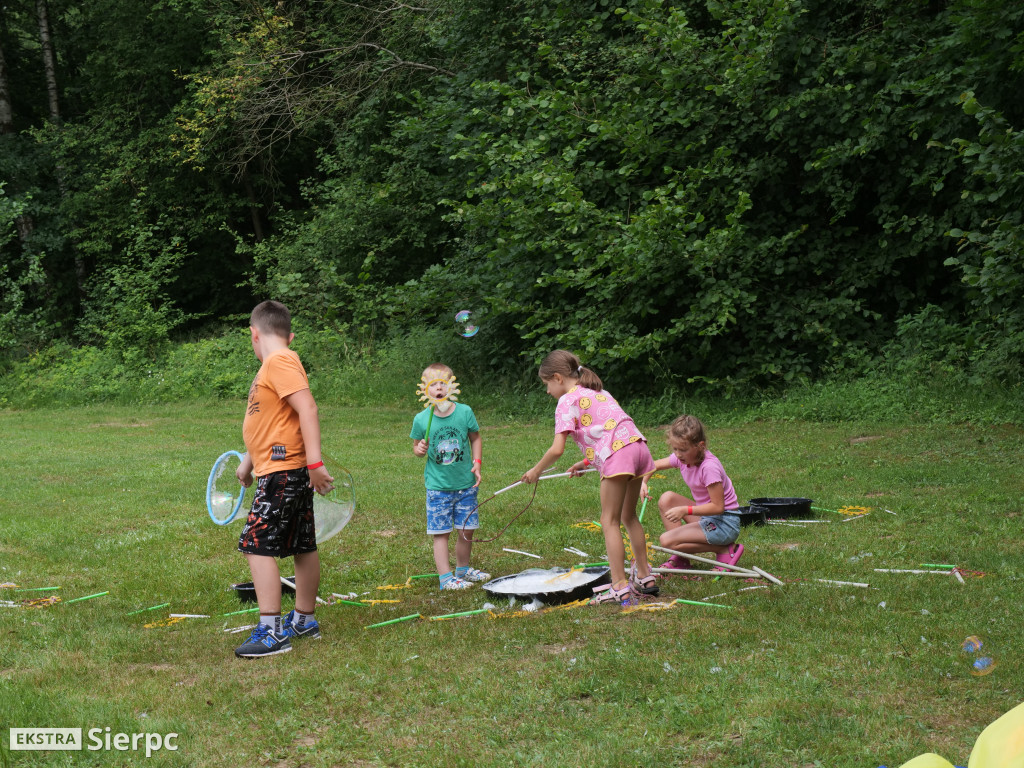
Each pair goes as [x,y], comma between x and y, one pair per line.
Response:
[280,523]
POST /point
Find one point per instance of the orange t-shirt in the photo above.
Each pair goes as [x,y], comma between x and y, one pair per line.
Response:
[271,429]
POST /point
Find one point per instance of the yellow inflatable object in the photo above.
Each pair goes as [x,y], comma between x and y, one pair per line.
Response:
[929,760]
[1001,745]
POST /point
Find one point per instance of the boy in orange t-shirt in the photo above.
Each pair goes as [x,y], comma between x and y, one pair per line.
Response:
[282,442]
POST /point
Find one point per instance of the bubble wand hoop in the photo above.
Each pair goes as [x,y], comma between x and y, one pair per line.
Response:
[451,392]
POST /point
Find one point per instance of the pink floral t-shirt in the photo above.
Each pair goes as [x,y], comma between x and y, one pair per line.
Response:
[596,422]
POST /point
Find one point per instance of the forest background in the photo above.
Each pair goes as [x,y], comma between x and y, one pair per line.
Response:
[739,199]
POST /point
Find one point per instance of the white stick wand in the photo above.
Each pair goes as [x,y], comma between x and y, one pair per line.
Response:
[543,477]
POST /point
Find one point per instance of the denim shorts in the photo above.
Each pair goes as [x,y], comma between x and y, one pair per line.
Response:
[720,530]
[447,510]
[280,523]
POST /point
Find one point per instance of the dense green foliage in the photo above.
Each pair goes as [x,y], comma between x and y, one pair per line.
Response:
[728,193]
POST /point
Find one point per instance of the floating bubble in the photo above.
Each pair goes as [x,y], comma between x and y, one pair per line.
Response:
[980,654]
[465,324]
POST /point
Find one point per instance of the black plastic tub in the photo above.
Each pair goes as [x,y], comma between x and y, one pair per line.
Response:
[597,576]
[247,592]
[750,515]
[783,508]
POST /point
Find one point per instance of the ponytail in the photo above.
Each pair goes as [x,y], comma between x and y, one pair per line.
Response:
[567,365]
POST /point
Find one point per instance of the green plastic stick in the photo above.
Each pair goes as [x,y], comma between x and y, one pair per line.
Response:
[825,509]
[141,610]
[393,621]
[430,418]
[643,507]
[425,576]
[463,613]
[697,602]
[593,565]
[244,610]
[351,602]
[37,589]
[87,597]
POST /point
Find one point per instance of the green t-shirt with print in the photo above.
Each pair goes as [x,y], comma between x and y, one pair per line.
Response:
[449,454]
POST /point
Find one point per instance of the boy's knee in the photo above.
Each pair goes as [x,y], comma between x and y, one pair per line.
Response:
[665,501]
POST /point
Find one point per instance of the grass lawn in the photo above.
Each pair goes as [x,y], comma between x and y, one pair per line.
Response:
[810,674]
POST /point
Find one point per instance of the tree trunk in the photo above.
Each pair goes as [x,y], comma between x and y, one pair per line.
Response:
[6,113]
[50,70]
[49,60]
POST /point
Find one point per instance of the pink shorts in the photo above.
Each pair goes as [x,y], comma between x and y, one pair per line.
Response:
[632,460]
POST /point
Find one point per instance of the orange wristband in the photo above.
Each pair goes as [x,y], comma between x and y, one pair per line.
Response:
[689,510]
[315,466]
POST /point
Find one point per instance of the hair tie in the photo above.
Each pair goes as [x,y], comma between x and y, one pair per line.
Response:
[579,369]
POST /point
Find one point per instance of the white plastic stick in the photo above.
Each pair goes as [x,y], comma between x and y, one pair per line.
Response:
[292,585]
[707,560]
[844,583]
[543,477]
[742,589]
[188,616]
[766,575]
[236,630]
[566,474]
[855,517]
[791,525]
[958,576]
[705,573]
[520,552]
[897,570]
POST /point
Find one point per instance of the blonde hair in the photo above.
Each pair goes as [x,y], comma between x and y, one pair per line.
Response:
[686,429]
[567,365]
[440,369]
[272,317]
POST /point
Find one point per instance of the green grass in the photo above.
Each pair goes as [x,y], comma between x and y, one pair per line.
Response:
[110,498]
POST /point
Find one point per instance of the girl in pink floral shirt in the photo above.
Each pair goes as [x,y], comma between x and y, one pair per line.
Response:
[609,441]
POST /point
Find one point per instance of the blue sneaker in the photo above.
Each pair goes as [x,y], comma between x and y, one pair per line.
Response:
[310,629]
[263,642]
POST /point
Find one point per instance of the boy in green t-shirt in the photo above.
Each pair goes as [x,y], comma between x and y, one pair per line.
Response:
[451,475]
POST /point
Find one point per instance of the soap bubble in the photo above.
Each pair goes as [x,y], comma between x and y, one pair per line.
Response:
[980,654]
[332,512]
[465,324]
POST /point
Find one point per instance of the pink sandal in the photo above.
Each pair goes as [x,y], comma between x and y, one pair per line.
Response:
[730,557]
[676,561]
[625,597]
[648,585]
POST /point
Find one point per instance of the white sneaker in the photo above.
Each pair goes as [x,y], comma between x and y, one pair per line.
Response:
[474,575]
[456,583]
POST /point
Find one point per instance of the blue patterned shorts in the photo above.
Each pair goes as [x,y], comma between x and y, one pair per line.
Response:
[451,509]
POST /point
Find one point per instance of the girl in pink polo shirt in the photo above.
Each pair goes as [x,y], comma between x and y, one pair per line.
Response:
[709,522]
